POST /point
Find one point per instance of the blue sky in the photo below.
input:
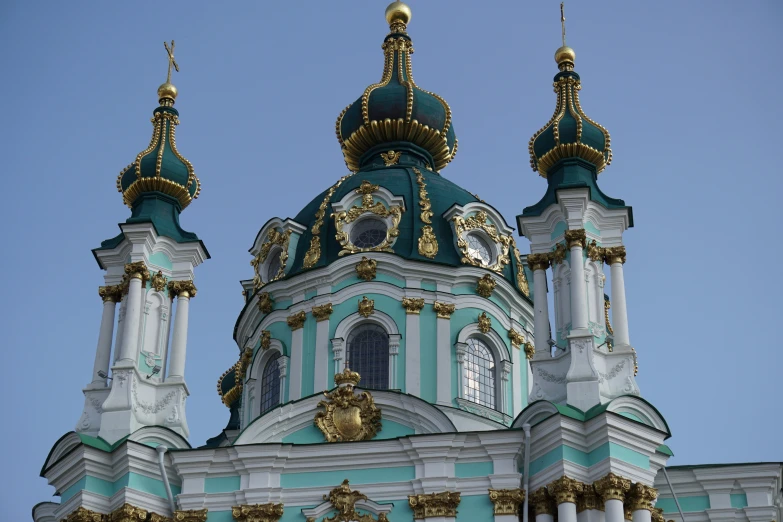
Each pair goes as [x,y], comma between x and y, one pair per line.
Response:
[688,91]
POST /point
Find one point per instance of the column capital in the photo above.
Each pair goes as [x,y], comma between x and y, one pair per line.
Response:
[576,238]
[444,310]
[85,515]
[538,261]
[557,255]
[127,513]
[542,502]
[322,313]
[413,305]
[182,289]
[434,504]
[270,512]
[614,255]
[296,321]
[507,501]
[565,489]
[111,293]
[612,487]
[190,515]
[657,515]
[642,497]
[589,499]
[137,270]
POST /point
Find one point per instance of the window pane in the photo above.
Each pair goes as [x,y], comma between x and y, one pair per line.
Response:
[274,266]
[368,233]
[479,374]
[478,249]
[368,354]
[270,384]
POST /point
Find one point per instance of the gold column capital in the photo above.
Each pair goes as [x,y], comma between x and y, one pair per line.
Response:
[657,515]
[565,489]
[642,497]
[444,310]
[612,487]
[434,505]
[542,502]
[576,238]
[137,270]
[516,338]
[85,515]
[614,255]
[322,313]
[413,305]
[127,513]
[538,261]
[182,289]
[270,512]
[190,515]
[296,321]
[589,499]
[111,293]
[507,501]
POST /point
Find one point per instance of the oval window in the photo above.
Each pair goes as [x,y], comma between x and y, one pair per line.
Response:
[368,233]
[274,266]
[479,249]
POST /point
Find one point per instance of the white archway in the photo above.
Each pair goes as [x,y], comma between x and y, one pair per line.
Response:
[353,321]
[500,353]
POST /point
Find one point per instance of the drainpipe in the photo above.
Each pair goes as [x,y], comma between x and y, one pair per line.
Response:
[162,463]
[665,474]
[526,471]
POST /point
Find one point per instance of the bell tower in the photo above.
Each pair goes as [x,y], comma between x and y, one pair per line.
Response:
[138,378]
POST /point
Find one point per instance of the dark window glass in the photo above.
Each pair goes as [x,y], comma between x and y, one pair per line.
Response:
[479,374]
[368,354]
[368,233]
[270,384]
[274,266]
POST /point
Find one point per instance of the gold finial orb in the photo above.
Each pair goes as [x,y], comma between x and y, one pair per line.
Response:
[565,54]
[398,12]
[167,90]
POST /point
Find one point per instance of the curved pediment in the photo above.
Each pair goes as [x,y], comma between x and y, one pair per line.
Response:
[399,410]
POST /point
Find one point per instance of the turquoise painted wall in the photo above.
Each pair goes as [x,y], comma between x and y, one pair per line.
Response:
[475,508]
[590,227]
[162,260]
[107,488]
[474,469]
[427,285]
[688,504]
[308,356]
[739,500]
[222,484]
[356,476]
[559,229]
[609,449]
[428,354]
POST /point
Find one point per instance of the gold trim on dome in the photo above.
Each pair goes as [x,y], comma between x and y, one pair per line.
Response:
[297,320]
[191,515]
[443,310]
[366,307]
[240,368]
[366,269]
[137,270]
[82,514]
[182,289]
[273,238]
[434,504]
[265,303]
[270,512]
[567,89]
[480,221]
[428,242]
[348,417]
[344,501]
[507,501]
[313,253]
[486,285]
[160,121]
[158,282]
[322,313]
[484,322]
[367,207]
[522,282]
[391,158]
[413,305]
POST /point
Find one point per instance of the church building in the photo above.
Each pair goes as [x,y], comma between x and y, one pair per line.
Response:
[397,359]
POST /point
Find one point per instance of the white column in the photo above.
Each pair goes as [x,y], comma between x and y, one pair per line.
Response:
[614,510]
[103,350]
[505,371]
[642,515]
[282,365]
[412,354]
[120,326]
[544,517]
[444,354]
[130,341]
[394,351]
[566,511]
[578,286]
[295,379]
[615,256]
[516,380]
[179,339]
[461,349]
[321,356]
[539,263]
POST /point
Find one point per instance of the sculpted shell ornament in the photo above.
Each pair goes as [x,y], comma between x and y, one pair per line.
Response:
[348,417]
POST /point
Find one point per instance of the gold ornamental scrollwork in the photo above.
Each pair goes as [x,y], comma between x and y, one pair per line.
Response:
[391,158]
[428,242]
[413,305]
[366,307]
[138,270]
[558,254]
[85,515]
[595,252]
[127,513]
[486,285]
[434,504]
[576,237]
[589,500]
[274,237]
[240,368]
[394,212]
[190,515]
[484,322]
[266,339]
[480,221]
[297,320]
[522,282]
[612,487]
[154,517]
[158,282]
[366,268]
[322,312]
[530,350]
[538,261]
[657,515]
[507,501]
[516,338]
[313,253]
[182,289]
[542,502]
[111,293]
[565,489]
[348,417]
[614,255]
[443,310]
[641,497]
[344,501]
[607,306]
[265,303]
[270,512]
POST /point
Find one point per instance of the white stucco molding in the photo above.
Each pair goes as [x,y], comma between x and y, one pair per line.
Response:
[159,435]
[275,222]
[354,198]
[491,338]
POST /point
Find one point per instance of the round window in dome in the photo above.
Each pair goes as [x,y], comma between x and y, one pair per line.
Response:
[368,233]
[479,249]
[274,266]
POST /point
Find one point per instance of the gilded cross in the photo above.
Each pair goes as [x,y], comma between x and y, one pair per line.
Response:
[562,23]
[172,62]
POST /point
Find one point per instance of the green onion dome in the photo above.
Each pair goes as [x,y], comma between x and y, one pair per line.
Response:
[396,109]
[569,133]
[160,167]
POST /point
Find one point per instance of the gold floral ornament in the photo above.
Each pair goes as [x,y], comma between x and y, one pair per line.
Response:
[443,310]
[265,303]
[576,237]
[348,416]
[486,285]
[190,515]
[322,312]
[595,252]
[270,512]
[313,254]
[394,212]
[158,282]
[391,158]
[413,305]
[479,221]
[588,500]
[484,322]
[266,339]
[296,321]
[428,242]
[366,269]
[612,487]
[344,501]
[642,497]
[434,504]
[127,513]
[366,307]
[274,238]
[522,282]
[507,501]
[558,254]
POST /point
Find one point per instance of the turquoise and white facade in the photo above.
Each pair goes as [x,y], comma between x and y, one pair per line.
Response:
[396,356]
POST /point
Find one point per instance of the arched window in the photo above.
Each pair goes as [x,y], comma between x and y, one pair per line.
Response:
[368,354]
[270,384]
[478,378]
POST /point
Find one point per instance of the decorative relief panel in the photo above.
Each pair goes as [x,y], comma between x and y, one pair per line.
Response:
[479,223]
[345,219]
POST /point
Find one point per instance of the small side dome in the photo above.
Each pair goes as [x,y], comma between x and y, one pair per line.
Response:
[396,109]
